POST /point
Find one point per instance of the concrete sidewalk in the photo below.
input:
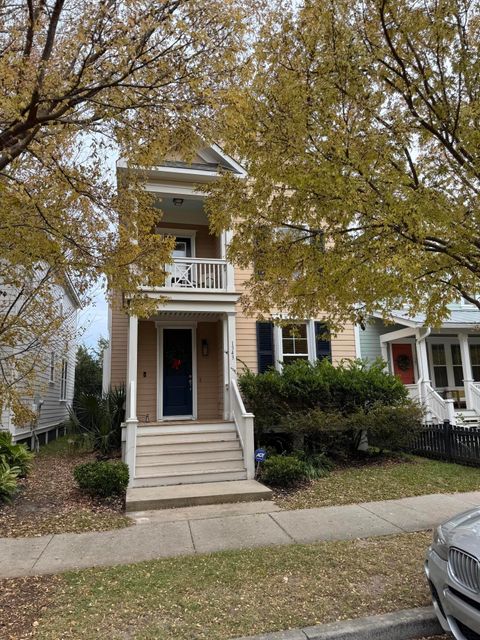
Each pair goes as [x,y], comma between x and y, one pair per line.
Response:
[206,529]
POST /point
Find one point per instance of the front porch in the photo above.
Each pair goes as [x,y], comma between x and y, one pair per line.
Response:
[185,423]
[441,369]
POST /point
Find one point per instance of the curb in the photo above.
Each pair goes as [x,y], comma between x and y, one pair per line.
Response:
[400,625]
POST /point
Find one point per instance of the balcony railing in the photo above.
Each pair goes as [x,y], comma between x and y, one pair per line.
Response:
[197,273]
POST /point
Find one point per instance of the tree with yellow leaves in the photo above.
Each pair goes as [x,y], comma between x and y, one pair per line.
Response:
[81,82]
[359,125]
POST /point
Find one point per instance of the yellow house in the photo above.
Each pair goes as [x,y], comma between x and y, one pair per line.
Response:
[185,419]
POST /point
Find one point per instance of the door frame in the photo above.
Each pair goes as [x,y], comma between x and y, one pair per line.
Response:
[193,329]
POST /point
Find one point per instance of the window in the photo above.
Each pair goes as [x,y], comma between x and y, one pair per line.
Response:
[294,342]
[63,380]
[439,365]
[475,360]
[52,367]
[457,365]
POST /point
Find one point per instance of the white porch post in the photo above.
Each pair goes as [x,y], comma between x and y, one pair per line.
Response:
[226,370]
[422,358]
[466,366]
[131,399]
[230,358]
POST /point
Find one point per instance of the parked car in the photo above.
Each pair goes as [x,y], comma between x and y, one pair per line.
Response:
[453,571]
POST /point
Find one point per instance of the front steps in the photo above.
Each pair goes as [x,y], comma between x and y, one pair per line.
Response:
[183,453]
[467,418]
[188,495]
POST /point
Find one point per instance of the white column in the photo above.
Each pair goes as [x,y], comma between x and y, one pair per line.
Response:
[466,366]
[132,351]
[131,417]
[232,344]
[226,370]
[422,361]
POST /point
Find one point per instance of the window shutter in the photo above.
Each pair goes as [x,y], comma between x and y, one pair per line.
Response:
[265,354]
[323,344]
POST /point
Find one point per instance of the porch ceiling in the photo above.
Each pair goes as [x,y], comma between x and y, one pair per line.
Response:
[186,316]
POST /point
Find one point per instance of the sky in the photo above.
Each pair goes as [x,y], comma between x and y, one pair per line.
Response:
[92,319]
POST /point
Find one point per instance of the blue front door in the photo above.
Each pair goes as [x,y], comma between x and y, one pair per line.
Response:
[177,372]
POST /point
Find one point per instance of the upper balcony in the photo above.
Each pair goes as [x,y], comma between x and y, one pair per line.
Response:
[199,274]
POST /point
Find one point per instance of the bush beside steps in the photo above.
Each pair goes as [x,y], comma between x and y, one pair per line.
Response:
[102,478]
[15,461]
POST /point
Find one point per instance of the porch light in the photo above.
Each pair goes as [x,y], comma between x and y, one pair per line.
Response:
[205,347]
[178,202]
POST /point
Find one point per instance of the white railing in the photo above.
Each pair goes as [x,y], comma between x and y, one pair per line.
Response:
[440,409]
[414,391]
[197,273]
[244,424]
[474,397]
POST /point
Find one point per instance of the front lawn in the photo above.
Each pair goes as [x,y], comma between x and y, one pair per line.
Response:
[48,500]
[387,480]
[222,595]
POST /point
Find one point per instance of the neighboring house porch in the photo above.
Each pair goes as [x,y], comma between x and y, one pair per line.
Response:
[440,367]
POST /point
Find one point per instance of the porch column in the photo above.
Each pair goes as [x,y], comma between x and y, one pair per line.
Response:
[131,396]
[466,367]
[422,360]
[229,360]
[385,358]
[226,370]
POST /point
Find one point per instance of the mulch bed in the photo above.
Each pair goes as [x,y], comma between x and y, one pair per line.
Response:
[49,501]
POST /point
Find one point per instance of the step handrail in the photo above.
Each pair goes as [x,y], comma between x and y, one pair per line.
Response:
[244,423]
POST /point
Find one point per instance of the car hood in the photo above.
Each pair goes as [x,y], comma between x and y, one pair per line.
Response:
[463,531]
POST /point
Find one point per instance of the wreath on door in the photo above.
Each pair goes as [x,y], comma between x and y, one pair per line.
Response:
[404,362]
[175,356]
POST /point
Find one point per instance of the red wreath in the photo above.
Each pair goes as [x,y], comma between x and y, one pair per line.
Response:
[176,363]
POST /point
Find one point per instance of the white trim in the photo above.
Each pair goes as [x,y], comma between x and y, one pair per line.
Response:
[356,336]
[278,344]
[397,335]
[174,190]
[160,328]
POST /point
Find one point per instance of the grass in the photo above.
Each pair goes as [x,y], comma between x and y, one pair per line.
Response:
[229,594]
[387,481]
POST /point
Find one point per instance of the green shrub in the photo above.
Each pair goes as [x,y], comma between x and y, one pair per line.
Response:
[8,480]
[302,387]
[284,471]
[102,478]
[338,435]
[15,455]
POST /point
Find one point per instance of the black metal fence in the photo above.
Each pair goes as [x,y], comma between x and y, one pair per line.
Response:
[447,442]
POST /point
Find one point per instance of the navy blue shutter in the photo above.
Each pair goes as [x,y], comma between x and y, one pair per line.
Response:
[265,354]
[322,341]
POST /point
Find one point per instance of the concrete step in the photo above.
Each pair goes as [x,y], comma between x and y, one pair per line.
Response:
[188,448]
[167,428]
[215,475]
[221,436]
[180,457]
[147,468]
[149,498]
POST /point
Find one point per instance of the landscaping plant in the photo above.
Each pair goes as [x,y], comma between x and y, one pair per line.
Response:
[15,455]
[102,478]
[96,420]
[327,409]
[8,480]
[284,471]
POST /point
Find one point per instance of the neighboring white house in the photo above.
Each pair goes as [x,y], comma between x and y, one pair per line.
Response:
[54,378]
[440,366]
